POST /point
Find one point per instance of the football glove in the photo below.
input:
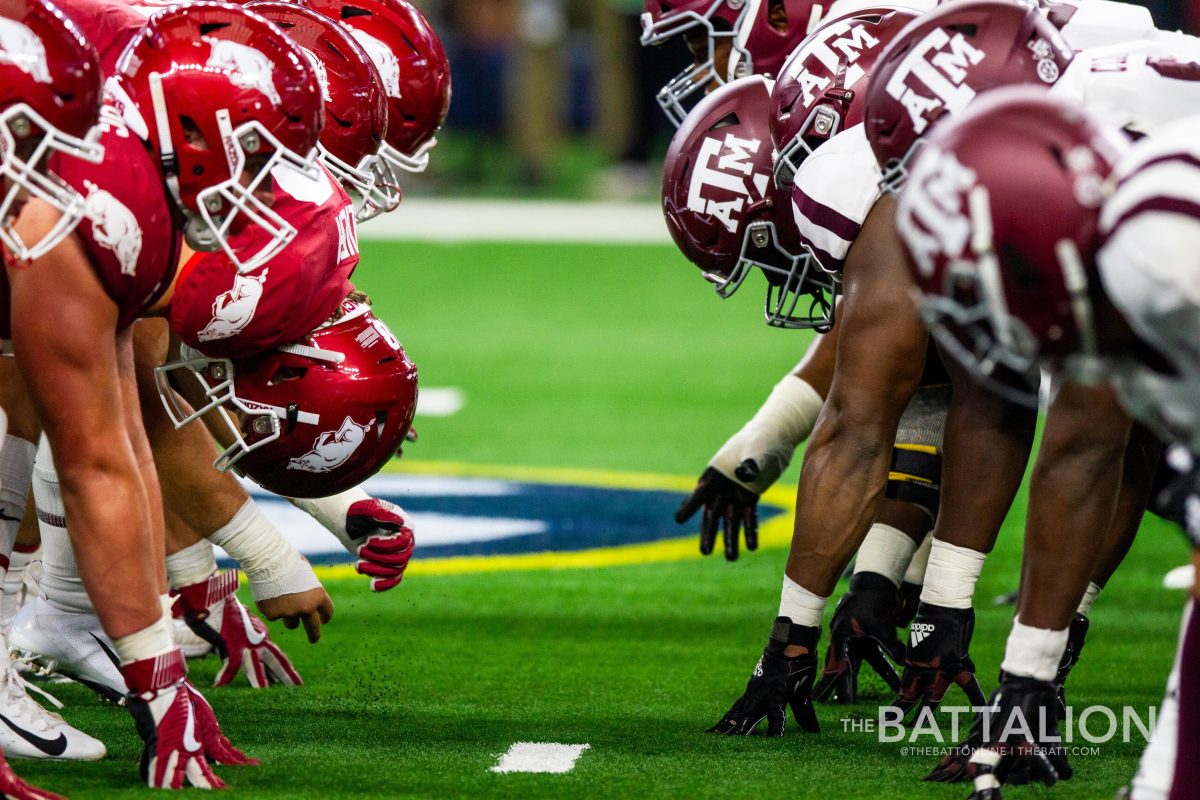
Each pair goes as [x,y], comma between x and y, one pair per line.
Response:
[776,683]
[14,788]
[377,533]
[213,612]
[910,599]
[938,658]
[177,726]
[863,629]
[728,506]
[1076,636]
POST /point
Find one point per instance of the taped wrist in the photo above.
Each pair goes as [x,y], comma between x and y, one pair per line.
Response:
[771,436]
[800,605]
[192,564]
[784,633]
[951,575]
[1034,652]
[272,566]
[331,512]
[915,574]
[886,551]
[147,644]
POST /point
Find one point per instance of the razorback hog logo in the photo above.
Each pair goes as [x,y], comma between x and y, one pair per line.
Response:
[934,219]
[383,58]
[332,448]
[233,310]
[22,48]
[932,77]
[322,76]
[823,55]
[731,174]
[246,67]
[114,226]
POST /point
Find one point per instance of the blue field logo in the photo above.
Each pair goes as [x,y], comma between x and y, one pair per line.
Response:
[456,516]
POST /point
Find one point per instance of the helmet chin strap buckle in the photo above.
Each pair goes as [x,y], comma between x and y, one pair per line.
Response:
[760,234]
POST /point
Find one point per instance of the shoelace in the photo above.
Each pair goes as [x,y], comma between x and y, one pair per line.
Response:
[14,695]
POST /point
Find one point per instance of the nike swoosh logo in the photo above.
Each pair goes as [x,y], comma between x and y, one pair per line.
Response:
[108,651]
[51,747]
[252,636]
[189,730]
[6,518]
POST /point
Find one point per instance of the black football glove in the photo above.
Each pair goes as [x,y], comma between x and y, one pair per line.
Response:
[777,682]
[863,629]
[938,658]
[910,599]
[1075,640]
[727,506]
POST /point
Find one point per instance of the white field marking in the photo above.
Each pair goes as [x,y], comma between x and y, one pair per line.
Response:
[440,402]
[540,757]
[1180,577]
[428,219]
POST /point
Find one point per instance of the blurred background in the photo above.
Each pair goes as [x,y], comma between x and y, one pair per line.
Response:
[554,99]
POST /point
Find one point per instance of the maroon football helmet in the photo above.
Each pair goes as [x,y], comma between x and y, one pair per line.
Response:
[757,46]
[314,418]
[940,62]
[356,115]
[1000,217]
[416,77]
[726,214]
[821,90]
[50,84]
[224,98]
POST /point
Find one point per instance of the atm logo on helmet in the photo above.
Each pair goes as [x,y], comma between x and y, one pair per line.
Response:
[734,168]
[935,219]
[939,64]
[834,45]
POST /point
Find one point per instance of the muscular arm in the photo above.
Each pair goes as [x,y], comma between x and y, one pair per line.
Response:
[63,336]
[1072,500]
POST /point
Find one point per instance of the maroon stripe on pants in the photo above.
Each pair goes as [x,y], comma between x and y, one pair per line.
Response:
[1186,785]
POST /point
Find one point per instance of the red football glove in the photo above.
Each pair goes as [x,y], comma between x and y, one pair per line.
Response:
[239,637]
[382,540]
[13,787]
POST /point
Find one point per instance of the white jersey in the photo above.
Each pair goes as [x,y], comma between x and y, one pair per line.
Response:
[834,189]
[1149,267]
[1137,86]
[1099,23]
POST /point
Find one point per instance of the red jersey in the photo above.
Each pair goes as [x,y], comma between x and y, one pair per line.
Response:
[226,315]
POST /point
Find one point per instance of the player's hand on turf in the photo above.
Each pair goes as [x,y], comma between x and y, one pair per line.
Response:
[178,733]
[728,506]
[14,788]
[244,645]
[777,682]
[1076,638]
[1012,749]
[938,657]
[312,609]
[863,629]
[378,534]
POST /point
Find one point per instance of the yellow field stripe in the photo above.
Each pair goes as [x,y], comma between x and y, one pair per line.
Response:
[774,533]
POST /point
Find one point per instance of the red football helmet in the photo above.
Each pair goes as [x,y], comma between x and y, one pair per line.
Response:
[313,418]
[823,85]
[727,216]
[50,85]
[356,114]
[224,97]
[416,75]
[1000,218]
[758,44]
[941,61]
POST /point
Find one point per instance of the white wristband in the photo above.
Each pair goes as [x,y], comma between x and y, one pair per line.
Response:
[951,575]
[1034,652]
[886,551]
[800,605]
[772,435]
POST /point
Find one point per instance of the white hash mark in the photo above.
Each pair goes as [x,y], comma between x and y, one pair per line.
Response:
[540,757]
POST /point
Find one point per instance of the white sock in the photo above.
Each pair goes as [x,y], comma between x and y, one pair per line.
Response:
[1089,597]
[1156,769]
[192,564]
[800,605]
[886,551]
[951,575]
[150,642]
[60,584]
[1034,652]
[920,560]
[272,565]
[16,470]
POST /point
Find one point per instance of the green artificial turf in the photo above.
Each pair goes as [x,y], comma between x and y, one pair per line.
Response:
[617,358]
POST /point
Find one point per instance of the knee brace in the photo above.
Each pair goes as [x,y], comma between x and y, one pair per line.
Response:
[916,472]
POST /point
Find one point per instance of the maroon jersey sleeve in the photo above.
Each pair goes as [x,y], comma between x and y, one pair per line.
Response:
[226,315]
[127,230]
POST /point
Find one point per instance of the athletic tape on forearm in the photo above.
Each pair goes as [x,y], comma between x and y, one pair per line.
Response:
[272,566]
[951,575]
[16,471]
[150,642]
[331,512]
[60,581]
[915,574]
[1034,652]
[192,564]
[800,605]
[772,435]
[886,551]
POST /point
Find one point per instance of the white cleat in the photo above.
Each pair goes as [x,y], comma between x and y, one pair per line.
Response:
[191,644]
[29,731]
[69,643]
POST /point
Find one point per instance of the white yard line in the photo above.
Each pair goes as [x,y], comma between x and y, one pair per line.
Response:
[429,219]
[540,757]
